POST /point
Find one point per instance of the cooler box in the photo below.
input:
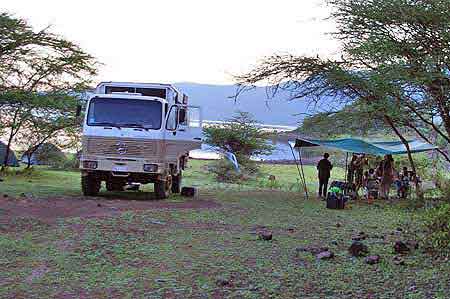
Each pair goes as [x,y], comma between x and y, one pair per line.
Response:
[335,201]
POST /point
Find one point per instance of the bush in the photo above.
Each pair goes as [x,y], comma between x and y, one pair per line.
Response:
[443,184]
[241,136]
[270,184]
[12,172]
[226,173]
[249,167]
[65,163]
[436,223]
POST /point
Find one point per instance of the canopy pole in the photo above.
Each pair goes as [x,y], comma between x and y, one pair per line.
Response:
[298,168]
[346,168]
[303,173]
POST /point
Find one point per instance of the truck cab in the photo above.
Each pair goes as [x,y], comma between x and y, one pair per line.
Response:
[135,133]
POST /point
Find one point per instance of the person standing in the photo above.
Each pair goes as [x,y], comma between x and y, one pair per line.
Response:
[351,169]
[403,183]
[360,162]
[324,170]
[387,176]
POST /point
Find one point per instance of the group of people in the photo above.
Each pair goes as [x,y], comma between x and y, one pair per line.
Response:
[376,181]
[380,178]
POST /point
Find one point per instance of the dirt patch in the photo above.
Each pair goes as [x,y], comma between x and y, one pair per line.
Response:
[51,209]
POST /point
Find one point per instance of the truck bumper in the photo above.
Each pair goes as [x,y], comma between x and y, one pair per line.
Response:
[120,167]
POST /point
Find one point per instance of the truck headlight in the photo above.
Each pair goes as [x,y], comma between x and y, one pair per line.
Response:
[150,167]
[90,164]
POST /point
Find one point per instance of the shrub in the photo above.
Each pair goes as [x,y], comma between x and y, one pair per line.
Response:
[443,184]
[225,172]
[270,184]
[436,222]
[241,136]
[65,163]
[25,172]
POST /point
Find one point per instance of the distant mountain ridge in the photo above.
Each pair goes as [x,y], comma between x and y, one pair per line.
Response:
[217,105]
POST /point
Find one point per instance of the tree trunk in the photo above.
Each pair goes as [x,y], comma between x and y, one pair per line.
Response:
[438,94]
[29,160]
[33,149]
[419,193]
[443,153]
[424,120]
[402,139]
[8,149]
[11,136]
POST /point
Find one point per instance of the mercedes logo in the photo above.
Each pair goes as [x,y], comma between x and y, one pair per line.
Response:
[121,148]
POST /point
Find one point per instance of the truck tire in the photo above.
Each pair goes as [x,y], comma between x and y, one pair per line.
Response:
[176,183]
[163,188]
[114,186]
[90,185]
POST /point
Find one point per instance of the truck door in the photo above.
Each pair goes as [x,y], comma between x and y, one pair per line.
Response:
[183,131]
[190,122]
[184,123]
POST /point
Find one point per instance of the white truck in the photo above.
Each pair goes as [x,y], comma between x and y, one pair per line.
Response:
[135,133]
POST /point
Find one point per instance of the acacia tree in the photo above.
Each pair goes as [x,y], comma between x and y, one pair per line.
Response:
[240,136]
[54,120]
[355,119]
[395,58]
[38,71]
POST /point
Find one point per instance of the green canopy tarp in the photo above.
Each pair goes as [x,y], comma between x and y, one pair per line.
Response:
[365,147]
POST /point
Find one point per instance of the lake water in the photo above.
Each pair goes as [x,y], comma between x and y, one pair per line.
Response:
[282,152]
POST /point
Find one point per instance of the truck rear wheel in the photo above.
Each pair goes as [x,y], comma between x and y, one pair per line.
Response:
[163,188]
[90,185]
[176,183]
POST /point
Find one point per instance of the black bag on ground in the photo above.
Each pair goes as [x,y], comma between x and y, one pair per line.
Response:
[335,201]
[188,191]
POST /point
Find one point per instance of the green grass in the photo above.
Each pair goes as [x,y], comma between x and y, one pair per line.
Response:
[129,256]
[41,182]
[45,182]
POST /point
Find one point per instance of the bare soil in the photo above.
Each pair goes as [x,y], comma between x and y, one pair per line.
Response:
[48,210]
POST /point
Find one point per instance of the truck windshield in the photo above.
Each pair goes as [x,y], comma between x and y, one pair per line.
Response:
[132,113]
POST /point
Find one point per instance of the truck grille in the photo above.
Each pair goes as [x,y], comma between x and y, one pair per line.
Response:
[121,147]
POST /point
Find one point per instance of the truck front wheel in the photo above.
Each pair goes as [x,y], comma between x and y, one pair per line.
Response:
[163,188]
[90,185]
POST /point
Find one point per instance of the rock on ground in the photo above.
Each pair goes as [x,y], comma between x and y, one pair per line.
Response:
[412,244]
[264,235]
[358,249]
[326,255]
[223,282]
[373,259]
[359,236]
[398,260]
[401,247]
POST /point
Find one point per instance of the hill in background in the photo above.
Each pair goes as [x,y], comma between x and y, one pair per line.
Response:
[216,104]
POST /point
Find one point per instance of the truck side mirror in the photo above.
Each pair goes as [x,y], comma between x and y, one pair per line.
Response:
[78,111]
[182,116]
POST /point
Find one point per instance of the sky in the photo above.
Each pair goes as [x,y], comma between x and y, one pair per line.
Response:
[203,41]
